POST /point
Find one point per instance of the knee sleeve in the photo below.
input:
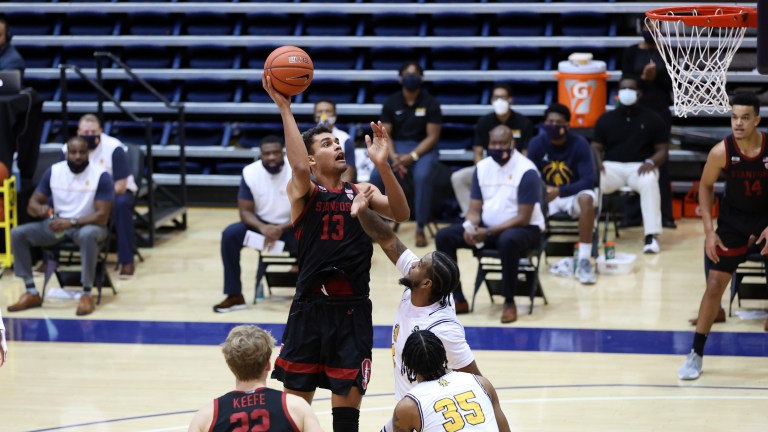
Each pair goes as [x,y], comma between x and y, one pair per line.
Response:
[346,419]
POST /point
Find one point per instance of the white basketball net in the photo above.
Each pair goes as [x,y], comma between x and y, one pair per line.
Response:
[697,59]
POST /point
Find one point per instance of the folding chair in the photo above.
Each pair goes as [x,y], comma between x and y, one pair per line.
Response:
[273,268]
[755,267]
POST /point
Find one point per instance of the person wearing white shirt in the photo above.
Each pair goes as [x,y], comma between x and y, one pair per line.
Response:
[75,199]
[109,154]
[425,302]
[264,207]
[3,343]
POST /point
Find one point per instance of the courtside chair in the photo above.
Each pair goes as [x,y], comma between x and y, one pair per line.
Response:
[398,24]
[529,284]
[755,287]
[269,24]
[34,24]
[277,269]
[146,23]
[90,24]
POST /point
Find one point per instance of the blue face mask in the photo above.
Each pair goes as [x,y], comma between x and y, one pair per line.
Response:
[411,82]
[501,156]
[555,132]
[91,140]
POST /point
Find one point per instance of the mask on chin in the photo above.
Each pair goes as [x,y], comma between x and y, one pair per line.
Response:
[327,121]
[555,132]
[500,106]
[273,169]
[500,156]
[91,140]
[628,97]
[77,167]
[411,82]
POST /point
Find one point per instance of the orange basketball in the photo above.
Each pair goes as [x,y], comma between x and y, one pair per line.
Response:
[291,70]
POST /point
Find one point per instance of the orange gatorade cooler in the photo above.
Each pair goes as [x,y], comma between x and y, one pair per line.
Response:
[581,87]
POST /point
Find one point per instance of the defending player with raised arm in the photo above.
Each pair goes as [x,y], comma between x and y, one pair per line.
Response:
[444,399]
[328,338]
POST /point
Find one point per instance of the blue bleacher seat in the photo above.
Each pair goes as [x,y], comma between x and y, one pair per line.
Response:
[134,92]
[521,23]
[586,24]
[331,24]
[230,168]
[152,24]
[255,56]
[336,90]
[212,90]
[134,133]
[54,133]
[456,58]
[81,55]
[90,24]
[392,57]
[335,57]
[254,92]
[458,92]
[269,24]
[212,57]
[173,167]
[46,87]
[250,134]
[520,58]
[34,23]
[205,134]
[151,56]
[398,24]
[457,24]
[79,90]
[380,90]
[456,136]
[211,24]
[528,92]
[39,56]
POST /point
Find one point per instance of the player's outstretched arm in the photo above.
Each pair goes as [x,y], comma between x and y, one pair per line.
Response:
[406,417]
[298,158]
[380,232]
[394,205]
[715,164]
[501,419]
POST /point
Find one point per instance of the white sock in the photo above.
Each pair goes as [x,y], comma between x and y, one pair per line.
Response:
[585,250]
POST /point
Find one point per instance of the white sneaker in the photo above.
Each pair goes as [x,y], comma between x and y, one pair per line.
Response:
[691,369]
[585,273]
[652,247]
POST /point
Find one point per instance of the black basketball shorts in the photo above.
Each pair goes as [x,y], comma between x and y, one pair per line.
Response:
[734,229]
[327,344]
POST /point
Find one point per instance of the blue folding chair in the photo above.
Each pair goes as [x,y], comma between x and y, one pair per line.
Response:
[91,24]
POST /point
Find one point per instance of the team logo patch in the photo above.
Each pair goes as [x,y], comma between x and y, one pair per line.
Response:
[298,59]
[395,332]
[365,368]
[443,382]
[735,160]
[322,189]
[350,193]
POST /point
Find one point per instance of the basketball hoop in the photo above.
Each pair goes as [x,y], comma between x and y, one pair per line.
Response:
[697,44]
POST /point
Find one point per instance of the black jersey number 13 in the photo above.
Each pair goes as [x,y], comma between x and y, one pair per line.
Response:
[333,227]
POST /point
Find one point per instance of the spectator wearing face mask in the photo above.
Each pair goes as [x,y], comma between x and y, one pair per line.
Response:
[564,160]
[632,142]
[522,132]
[325,114]
[414,121]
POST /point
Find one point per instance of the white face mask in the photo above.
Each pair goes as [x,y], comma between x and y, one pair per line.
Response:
[628,97]
[500,106]
[326,120]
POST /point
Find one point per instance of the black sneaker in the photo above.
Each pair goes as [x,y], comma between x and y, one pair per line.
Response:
[230,304]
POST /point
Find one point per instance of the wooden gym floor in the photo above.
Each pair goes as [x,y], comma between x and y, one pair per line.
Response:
[600,357]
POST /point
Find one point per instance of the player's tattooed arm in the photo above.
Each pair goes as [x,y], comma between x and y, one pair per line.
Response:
[380,232]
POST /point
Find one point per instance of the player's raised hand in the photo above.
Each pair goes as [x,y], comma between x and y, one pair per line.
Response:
[361,201]
[280,99]
[378,147]
[712,243]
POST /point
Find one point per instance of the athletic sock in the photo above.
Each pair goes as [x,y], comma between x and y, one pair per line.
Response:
[30,286]
[346,419]
[585,250]
[699,339]
[87,291]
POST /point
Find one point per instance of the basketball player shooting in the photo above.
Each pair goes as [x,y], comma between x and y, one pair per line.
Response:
[328,338]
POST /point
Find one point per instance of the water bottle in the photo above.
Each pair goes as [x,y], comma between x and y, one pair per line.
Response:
[15,172]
